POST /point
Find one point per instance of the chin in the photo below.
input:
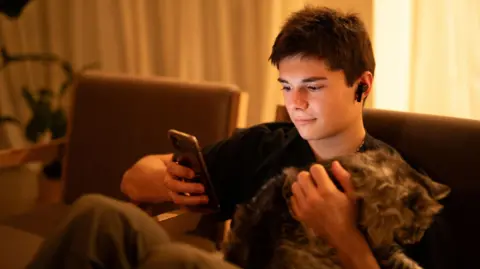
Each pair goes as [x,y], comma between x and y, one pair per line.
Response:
[314,131]
[309,132]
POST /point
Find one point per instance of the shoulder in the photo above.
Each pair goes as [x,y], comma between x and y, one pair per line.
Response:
[266,136]
[372,143]
[247,149]
[267,130]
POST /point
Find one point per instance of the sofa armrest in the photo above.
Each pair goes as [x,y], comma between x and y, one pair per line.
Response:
[179,222]
[44,153]
[193,228]
[180,226]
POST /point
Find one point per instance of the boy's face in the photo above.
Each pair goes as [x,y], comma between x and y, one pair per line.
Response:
[318,100]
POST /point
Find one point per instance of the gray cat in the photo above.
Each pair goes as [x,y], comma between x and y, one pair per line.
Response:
[396,205]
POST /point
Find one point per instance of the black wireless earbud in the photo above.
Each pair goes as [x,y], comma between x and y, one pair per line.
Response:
[362,87]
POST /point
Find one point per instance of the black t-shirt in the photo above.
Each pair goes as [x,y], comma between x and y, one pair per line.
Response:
[240,165]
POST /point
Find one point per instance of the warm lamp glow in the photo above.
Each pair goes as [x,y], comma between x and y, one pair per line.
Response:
[392,47]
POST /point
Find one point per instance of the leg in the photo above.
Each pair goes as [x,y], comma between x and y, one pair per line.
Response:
[101,232]
[183,256]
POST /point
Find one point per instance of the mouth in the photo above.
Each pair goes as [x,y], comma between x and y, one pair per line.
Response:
[304,121]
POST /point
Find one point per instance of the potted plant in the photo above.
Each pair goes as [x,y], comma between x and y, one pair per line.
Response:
[48,118]
[48,115]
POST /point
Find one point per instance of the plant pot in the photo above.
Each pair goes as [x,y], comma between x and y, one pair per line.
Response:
[24,187]
[50,190]
[18,189]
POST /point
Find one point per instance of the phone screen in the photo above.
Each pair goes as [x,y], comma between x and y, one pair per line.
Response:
[188,153]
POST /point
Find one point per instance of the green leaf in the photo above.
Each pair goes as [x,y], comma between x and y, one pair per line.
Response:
[58,124]
[36,127]
[9,119]
[40,121]
[28,96]
[67,68]
[45,95]
[69,78]
[64,87]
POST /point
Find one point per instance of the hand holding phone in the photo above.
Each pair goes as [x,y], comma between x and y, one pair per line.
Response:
[187,153]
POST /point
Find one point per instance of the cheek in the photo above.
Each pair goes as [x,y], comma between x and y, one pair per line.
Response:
[324,108]
[287,99]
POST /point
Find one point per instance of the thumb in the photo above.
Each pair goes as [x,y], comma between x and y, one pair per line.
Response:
[343,176]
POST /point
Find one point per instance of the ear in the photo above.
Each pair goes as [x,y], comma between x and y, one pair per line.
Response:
[367,79]
[439,191]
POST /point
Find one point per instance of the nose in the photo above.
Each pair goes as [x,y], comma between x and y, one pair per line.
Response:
[299,99]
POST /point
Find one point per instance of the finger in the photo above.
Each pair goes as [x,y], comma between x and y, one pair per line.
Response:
[321,178]
[179,171]
[179,186]
[188,200]
[305,181]
[299,196]
[294,208]
[343,177]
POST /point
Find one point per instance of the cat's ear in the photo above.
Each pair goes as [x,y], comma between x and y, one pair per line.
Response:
[290,175]
[438,190]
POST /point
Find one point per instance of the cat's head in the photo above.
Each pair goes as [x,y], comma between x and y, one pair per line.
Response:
[422,204]
[397,202]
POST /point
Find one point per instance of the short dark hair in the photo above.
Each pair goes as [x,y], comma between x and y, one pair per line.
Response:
[338,38]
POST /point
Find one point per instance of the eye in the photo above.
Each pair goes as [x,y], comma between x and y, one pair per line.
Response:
[314,88]
[412,200]
[286,88]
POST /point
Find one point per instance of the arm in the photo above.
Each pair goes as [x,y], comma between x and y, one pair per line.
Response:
[229,163]
[355,253]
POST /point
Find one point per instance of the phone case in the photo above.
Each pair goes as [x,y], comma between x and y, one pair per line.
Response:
[188,153]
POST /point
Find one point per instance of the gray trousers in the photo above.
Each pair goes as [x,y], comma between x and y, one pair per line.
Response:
[101,232]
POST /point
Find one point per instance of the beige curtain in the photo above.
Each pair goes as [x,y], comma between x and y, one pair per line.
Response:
[214,40]
[446,58]
[428,59]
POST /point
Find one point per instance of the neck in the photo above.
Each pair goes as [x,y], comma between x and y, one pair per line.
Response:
[345,142]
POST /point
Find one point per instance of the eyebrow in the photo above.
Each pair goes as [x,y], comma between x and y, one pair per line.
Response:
[306,80]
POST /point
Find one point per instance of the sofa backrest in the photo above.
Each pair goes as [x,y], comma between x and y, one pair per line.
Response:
[117,119]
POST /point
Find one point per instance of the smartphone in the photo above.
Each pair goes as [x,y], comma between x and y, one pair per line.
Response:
[188,153]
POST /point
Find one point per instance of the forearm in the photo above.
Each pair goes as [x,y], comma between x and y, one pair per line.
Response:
[355,253]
